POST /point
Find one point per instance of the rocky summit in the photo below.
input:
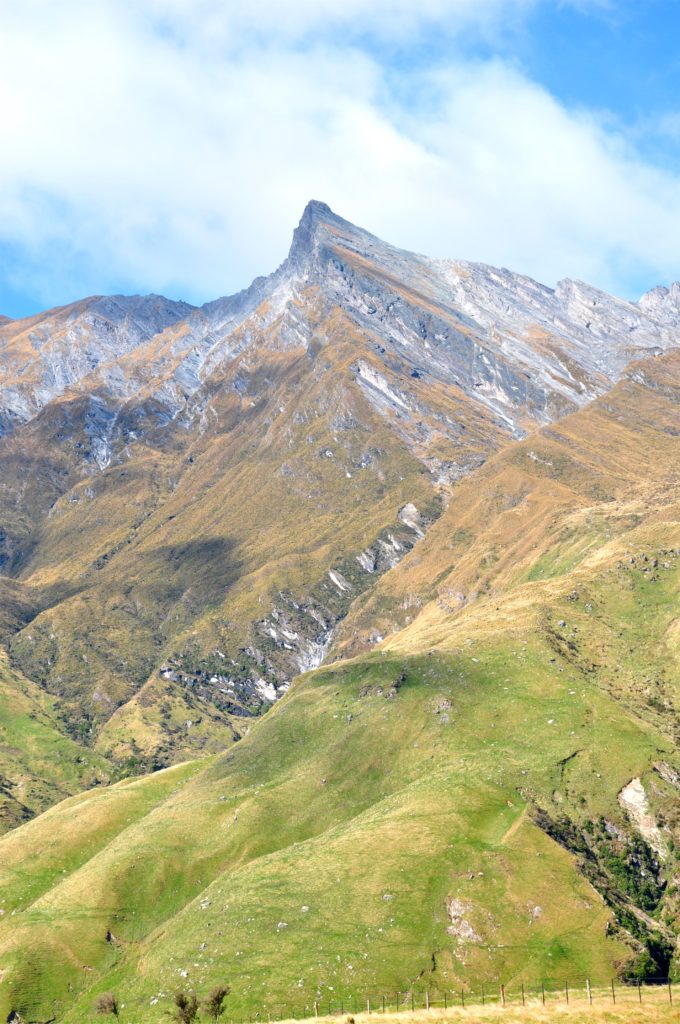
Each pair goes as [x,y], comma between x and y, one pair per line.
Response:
[325,608]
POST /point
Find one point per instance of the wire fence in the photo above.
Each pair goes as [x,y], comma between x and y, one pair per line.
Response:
[583,992]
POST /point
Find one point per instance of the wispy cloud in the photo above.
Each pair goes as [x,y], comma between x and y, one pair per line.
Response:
[172,145]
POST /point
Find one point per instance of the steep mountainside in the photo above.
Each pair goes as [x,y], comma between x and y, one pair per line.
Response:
[44,355]
[191,499]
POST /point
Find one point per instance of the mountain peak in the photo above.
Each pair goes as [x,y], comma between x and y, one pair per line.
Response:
[316,208]
[315,221]
[662,303]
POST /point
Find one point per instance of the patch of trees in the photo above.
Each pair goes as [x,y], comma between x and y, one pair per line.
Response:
[186,1006]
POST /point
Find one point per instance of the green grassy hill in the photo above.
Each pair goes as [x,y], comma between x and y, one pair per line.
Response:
[576,524]
[39,764]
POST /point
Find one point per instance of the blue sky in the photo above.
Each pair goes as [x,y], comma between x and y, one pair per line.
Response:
[170,145]
[623,59]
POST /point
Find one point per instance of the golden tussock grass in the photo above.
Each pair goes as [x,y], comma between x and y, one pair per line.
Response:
[655,1006]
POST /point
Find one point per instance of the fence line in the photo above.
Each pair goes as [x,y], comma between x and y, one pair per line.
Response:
[485,994]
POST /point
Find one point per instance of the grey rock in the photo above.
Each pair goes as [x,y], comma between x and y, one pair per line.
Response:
[522,352]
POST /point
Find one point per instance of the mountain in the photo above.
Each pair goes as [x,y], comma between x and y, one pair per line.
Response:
[338,401]
[45,355]
[393,544]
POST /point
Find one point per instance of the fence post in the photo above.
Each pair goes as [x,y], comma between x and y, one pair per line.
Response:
[613,992]
[483,994]
[383,1004]
[566,991]
[522,993]
[670,992]
[503,994]
[543,992]
[413,1002]
[590,994]
[445,1004]
[368,1005]
[316,1008]
[427,999]
[639,990]
[462,997]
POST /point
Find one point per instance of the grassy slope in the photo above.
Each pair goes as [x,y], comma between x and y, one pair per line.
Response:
[566,509]
[38,764]
[408,799]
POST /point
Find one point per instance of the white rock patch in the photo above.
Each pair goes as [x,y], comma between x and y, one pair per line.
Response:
[410,516]
[460,928]
[339,580]
[633,800]
[379,383]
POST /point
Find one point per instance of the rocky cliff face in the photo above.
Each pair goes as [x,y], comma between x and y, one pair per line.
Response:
[526,352]
[44,356]
[192,499]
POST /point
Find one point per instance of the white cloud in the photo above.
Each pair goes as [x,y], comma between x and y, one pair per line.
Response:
[527,183]
[235,22]
[179,160]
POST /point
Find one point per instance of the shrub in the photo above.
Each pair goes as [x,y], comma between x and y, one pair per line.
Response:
[213,1004]
[107,1003]
[186,1008]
